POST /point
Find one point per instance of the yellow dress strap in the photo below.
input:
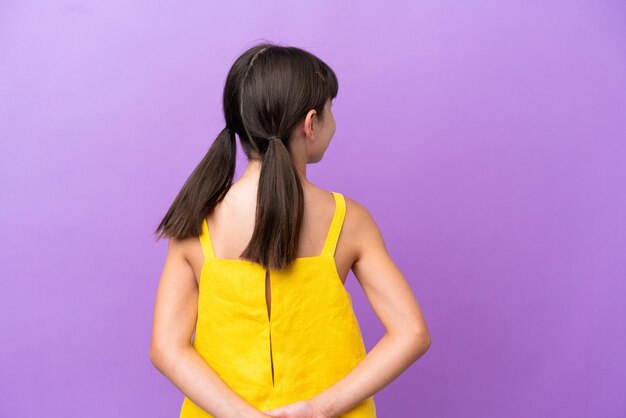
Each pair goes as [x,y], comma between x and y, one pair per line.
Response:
[205,241]
[335,226]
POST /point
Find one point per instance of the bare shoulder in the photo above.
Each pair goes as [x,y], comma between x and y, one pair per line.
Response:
[185,254]
[360,235]
[181,249]
[360,225]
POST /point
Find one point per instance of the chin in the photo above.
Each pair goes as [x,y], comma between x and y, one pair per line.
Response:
[316,159]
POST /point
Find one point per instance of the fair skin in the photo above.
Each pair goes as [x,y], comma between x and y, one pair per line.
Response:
[360,248]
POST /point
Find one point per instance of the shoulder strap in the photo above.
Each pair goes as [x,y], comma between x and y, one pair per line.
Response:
[205,241]
[335,226]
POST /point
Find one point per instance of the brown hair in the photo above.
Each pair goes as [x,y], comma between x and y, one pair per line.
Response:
[268,91]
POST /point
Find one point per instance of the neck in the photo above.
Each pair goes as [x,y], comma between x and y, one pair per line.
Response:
[253,170]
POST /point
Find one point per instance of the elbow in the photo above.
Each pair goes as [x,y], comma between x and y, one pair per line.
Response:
[421,342]
[415,342]
[426,341]
[165,353]
[157,354]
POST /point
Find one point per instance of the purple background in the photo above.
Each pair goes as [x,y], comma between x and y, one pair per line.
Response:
[487,138]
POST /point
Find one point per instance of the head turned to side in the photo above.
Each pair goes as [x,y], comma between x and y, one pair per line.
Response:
[277,100]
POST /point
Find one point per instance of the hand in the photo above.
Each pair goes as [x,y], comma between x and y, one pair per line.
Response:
[300,409]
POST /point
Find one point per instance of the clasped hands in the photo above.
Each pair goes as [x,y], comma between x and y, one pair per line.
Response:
[300,409]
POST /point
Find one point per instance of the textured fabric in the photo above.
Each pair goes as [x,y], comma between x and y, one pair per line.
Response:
[311,337]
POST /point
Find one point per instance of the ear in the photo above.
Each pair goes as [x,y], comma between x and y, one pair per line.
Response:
[310,122]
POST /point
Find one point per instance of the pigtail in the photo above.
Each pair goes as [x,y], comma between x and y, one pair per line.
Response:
[206,186]
[279,210]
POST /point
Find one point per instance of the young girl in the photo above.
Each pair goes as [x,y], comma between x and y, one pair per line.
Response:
[255,269]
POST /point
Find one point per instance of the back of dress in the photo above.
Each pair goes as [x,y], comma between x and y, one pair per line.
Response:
[309,342]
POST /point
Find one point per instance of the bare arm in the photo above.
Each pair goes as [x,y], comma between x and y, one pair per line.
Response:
[171,352]
[406,338]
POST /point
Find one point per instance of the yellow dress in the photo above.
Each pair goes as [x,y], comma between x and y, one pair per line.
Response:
[310,340]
